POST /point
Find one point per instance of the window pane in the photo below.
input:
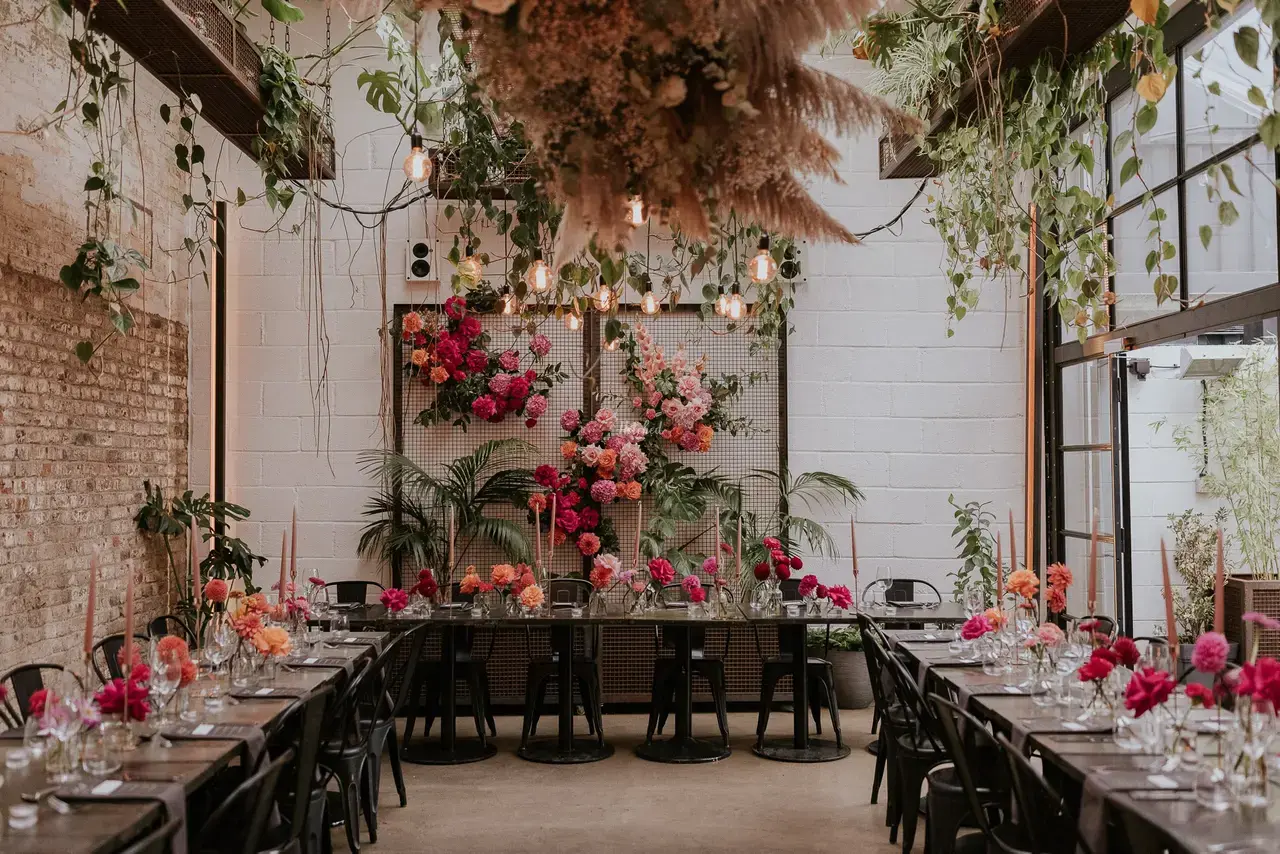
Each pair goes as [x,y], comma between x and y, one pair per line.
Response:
[1077,558]
[1086,487]
[1094,182]
[1240,256]
[1214,122]
[1086,404]
[1135,297]
[1157,148]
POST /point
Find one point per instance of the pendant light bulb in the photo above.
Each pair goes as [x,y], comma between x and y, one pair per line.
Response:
[470,269]
[762,266]
[417,166]
[539,276]
[636,215]
[611,346]
[736,308]
[722,303]
[649,303]
[573,321]
[603,297]
[509,305]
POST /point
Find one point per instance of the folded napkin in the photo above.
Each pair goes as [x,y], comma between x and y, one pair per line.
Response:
[172,795]
[272,692]
[252,739]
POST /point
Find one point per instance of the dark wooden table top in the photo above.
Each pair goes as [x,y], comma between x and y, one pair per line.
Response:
[100,827]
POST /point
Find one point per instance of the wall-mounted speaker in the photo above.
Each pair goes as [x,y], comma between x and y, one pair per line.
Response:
[417,261]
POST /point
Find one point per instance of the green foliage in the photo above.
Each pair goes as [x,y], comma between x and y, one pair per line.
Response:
[409,514]
[1195,549]
[281,134]
[976,546]
[843,638]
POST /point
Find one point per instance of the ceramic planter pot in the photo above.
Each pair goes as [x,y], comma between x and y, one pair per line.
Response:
[853,683]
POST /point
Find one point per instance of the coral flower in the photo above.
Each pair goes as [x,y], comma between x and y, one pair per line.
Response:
[247,625]
[1024,583]
[569,450]
[502,574]
[273,641]
[630,490]
[531,597]
[419,358]
[255,604]
[439,374]
[1059,576]
[412,322]
[601,575]
[470,581]
[588,544]
[537,502]
[172,647]
[215,591]
[995,617]
[1056,600]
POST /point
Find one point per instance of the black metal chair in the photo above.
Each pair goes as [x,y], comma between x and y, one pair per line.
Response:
[821,679]
[301,791]
[157,841]
[905,592]
[470,667]
[917,749]
[1106,625]
[1047,821]
[351,592]
[883,695]
[378,714]
[105,655]
[666,671]
[239,824]
[344,750]
[565,592]
[172,624]
[973,792]
[19,683]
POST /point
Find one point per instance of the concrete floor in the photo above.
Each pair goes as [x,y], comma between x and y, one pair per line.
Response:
[625,804]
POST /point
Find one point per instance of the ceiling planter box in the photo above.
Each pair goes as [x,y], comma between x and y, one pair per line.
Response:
[1033,28]
[193,46]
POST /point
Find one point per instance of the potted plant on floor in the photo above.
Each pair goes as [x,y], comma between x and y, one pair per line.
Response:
[843,648]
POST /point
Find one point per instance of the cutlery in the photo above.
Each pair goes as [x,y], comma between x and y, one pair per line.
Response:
[39,794]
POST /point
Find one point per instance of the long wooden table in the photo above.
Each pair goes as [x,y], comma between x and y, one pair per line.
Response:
[1121,807]
[102,827]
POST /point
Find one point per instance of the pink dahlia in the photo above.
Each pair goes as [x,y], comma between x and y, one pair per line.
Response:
[1210,653]
[477,360]
[395,599]
[840,597]
[536,406]
[499,384]
[711,566]
[509,360]
[540,345]
[569,420]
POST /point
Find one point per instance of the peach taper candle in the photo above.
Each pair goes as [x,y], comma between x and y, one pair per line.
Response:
[1170,623]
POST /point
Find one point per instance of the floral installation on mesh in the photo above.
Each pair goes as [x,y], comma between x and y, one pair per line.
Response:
[678,400]
[705,101]
[451,354]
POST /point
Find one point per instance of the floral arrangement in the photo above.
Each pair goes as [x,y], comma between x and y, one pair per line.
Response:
[1148,689]
[693,589]
[119,695]
[661,572]
[1023,583]
[395,599]
[677,400]
[604,570]
[272,641]
[453,357]
[173,648]
[427,586]
[1103,660]
[531,597]
[1044,639]
[975,627]
[1059,580]
[839,595]
[705,101]
[782,563]
[216,592]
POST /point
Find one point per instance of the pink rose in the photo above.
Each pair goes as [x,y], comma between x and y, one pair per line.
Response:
[604,491]
[476,359]
[536,406]
[606,418]
[499,384]
[661,570]
[1147,689]
[840,597]
[975,627]
[1210,653]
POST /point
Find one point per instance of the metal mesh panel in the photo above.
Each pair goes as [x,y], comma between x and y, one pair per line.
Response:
[595,379]
[1243,596]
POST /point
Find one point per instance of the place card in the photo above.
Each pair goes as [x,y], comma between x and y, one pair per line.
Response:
[262,692]
[310,660]
[106,787]
[1012,689]
[1073,726]
[1161,781]
[930,637]
[202,729]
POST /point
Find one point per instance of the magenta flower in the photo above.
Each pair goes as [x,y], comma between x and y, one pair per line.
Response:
[509,360]
[661,570]
[1147,689]
[536,406]
[484,407]
[691,583]
[540,345]
[569,420]
[975,627]
[604,491]
[1210,653]
[808,585]
[711,566]
[1263,621]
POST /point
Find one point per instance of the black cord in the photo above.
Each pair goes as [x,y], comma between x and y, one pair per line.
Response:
[897,219]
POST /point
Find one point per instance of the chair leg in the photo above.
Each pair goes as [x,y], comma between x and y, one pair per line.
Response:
[815,704]
[875,719]
[397,773]
[913,773]
[833,707]
[767,683]
[880,761]
[477,703]
[415,702]
[350,808]
[369,797]
[668,697]
[942,822]
[434,696]
[540,697]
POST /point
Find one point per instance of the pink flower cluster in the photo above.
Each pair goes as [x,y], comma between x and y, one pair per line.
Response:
[394,599]
[681,416]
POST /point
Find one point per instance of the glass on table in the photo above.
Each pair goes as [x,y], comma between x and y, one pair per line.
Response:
[23,816]
[884,580]
[166,676]
[338,622]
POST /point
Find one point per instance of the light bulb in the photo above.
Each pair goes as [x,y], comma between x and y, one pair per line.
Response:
[509,304]
[470,269]
[635,211]
[573,321]
[735,308]
[649,303]
[722,303]
[611,346]
[539,276]
[603,298]
[762,267]
[417,166]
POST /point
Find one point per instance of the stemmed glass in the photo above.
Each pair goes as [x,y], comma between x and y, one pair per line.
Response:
[166,674]
[218,644]
[884,579]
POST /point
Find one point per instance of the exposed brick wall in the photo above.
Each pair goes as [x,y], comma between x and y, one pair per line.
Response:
[75,446]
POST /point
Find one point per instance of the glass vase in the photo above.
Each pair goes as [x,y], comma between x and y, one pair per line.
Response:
[98,756]
[1246,752]
[1099,706]
[62,759]
[1214,788]
[119,735]
[597,606]
[1043,676]
[511,605]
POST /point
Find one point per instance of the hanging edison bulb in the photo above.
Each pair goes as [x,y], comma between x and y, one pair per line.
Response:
[510,305]
[538,278]
[762,266]
[636,215]
[735,308]
[417,166]
[470,269]
[722,303]
[572,320]
[611,345]
[649,303]
[603,299]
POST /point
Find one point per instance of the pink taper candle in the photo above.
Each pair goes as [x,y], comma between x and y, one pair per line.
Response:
[284,561]
[1013,558]
[999,568]
[717,551]
[452,527]
[293,547]
[737,552]
[537,536]
[1219,584]
[195,567]
[635,556]
[92,606]
[128,643]
[551,536]
[1170,624]
[1093,567]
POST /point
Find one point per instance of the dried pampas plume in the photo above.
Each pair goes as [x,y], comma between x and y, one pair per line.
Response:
[697,106]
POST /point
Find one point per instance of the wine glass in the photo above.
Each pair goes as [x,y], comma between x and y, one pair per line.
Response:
[219,643]
[166,674]
[61,722]
[884,580]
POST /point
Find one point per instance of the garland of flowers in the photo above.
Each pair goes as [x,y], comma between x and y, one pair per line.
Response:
[452,355]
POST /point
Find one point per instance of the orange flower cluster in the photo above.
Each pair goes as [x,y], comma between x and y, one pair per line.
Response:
[273,641]
[1024,583]
[531,597]
[175,649]
[703,433]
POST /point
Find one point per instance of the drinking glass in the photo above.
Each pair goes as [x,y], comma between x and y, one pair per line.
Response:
[166,674]
[884,579]
[338,622]
[219,642]
[1157,657]
[61,721]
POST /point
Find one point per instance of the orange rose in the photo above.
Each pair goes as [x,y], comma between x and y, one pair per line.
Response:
[705,435]
[630,490]
[272,640]
[537,502]
[412,322]
[995,617]
[608,458]
[1023,582]
[568,450]
[419,358]
[439,374]
[604,473]
[531,597]
[470,581]
[503,574]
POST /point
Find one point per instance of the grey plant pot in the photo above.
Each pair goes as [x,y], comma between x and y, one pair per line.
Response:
[853,683]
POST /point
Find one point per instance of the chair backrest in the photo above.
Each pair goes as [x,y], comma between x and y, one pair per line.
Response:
[300,730]
[172,624]
[904,590]
[157,841]
[975,754]
[350,592]
[367,690]
[415,638]
[238,824]
[876,649]
[1042,813]
[919,715]
[1106,625]
[20,683]
[568,591]
[105,655]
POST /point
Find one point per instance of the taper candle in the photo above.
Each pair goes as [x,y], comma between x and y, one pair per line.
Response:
[551,535]
[449,568]
[1093,566]
[999,569]
[92,605]
[1219,585]
[128,644]
[284,562]
[635,555]
[195,568]
[853,553]
[537,536]
[737,555]
[1013,557]
[717,551]
[293,548]
[1170,624]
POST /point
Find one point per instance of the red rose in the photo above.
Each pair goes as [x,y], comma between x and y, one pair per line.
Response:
[470,326]
[588,518]
[455,307]
[1098,667]
[530,376]
[783,571]
[761,571]
[571,499]
[582,483]
[477,360]
[459,376]
[519,388]
[1147,689]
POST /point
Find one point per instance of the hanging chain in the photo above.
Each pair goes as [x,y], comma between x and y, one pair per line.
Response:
[271,32]
[286,38]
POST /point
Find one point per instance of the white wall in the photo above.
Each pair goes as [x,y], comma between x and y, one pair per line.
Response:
[876,390]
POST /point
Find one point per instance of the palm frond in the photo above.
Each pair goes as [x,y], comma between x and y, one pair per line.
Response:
[507,535]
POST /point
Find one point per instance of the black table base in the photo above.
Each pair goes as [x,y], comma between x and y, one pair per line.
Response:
[549,751]
[461,752]
[683,751]
[817,750]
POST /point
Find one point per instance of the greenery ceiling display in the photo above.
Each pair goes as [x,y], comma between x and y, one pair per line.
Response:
[1017,152]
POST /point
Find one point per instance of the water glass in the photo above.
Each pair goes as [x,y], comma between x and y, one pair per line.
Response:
[884,580]
[97,756]
[23,816]
[338,622]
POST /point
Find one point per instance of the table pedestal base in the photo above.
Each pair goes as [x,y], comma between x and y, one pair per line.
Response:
[434,753]
[548,751]
[784,750]
[682,751]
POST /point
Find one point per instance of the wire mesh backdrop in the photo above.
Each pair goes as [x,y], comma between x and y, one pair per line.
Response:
[595,378]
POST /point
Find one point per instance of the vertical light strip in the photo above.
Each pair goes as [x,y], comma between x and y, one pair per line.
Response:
[1032,395]
[218,361]
[215,269]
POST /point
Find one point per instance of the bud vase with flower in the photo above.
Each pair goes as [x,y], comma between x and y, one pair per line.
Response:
[1257,697]
[1043,645]
[605,572]
[123,703]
